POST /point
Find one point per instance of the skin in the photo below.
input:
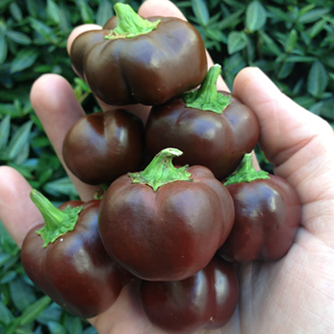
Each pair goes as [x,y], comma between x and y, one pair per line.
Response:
[293,295]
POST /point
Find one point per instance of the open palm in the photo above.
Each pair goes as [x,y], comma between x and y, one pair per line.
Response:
[292,295]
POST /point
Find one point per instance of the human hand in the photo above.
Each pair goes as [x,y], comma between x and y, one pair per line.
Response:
[294,294]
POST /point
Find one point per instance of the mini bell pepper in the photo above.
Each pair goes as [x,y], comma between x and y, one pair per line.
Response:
[65,258]
[133,60]
[267,215]
[165,223]
[206,300]
[100,147]
[212,128]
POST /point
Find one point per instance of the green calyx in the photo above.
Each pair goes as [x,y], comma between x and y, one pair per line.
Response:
[57,222]
[246,172]
[161,171]
[129,23]
[207,97]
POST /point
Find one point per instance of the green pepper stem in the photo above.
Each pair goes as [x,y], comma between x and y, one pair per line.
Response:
[246,172]
[161,171]
[207,97]
[129,23]
[57,222]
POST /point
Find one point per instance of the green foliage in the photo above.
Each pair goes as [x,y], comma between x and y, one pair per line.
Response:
[292,41]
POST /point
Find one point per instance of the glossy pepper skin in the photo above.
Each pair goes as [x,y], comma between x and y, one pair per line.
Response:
[206,300]
[103,146]
[150,68]
[170,233]
[267,215]
[216,141]
[74,270]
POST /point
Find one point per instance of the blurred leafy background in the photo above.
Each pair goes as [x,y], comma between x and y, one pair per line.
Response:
[292,41]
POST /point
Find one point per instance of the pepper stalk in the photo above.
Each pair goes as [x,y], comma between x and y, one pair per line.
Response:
[207,97]
[57,222]
[129,23]
[246,172]
[161,170]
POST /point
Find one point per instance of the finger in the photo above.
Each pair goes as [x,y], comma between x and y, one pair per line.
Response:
[299,144]
[17,212]
[167,8]
[57,107]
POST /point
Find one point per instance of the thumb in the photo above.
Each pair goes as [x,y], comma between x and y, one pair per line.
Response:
[298,143]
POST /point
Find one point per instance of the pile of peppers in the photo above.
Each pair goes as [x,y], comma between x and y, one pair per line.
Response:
[181,229]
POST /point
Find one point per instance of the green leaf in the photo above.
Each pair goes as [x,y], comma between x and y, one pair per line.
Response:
[16,11]
[23,155]
[63,186]
[4,131]
[230,21]
[19,140]
[324,109]
[87,14]
[4,3]
[285,70]
[82,84]
[316,28]
[24,59]
[25,172]
[201,11]
[32,7]
[65,18]
[39,142]
[5,315]
[305,101]
[278,13]
[214,34]
[73,324]
[90,330]
[236,41]
[3,48]
[313,15]
[45,31]
[8,245]
[291,41]
[52,10]
[270,43]
[52,313]
[256,16]
[33,310]
[18,37]
[12,262]
[56,328]
[9,109]
[104,12]
[306,9]
[23,331]
[299,59]
[317,79]
[235,4]
[8,277]
[22,294]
